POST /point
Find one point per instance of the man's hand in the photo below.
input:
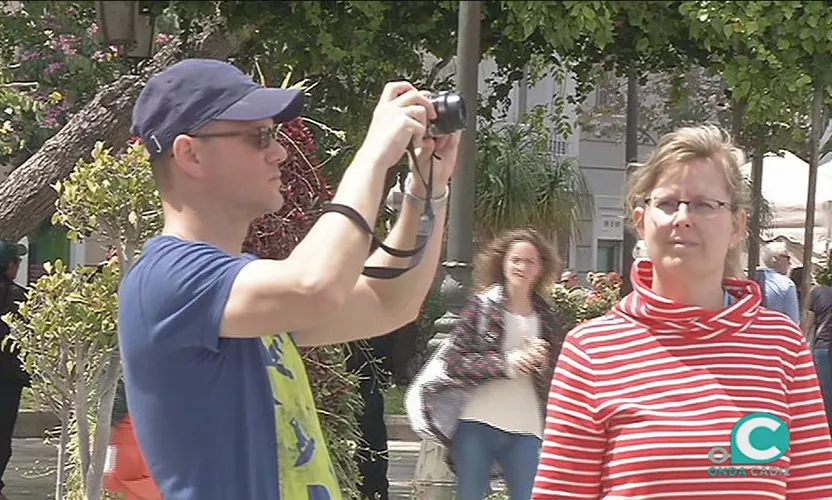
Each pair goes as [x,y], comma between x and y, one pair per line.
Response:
[445,149]
[402,115]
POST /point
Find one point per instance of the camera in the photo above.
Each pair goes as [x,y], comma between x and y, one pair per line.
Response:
[450,113]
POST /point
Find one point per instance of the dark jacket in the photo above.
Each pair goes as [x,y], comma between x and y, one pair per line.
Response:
[472,356]
[11,369]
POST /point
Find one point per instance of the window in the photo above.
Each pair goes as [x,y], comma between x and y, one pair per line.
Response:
[609,256]
[558,146]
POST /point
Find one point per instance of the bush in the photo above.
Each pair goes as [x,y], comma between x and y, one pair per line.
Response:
[582,304]
[274,236]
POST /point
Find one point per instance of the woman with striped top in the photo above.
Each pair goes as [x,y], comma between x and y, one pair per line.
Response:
[688,388]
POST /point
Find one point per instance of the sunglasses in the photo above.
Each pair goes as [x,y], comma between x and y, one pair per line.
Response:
[264,135]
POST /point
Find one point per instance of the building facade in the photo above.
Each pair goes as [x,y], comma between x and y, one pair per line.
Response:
[598,244]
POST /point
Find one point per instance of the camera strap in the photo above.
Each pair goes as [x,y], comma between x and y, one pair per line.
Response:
[422,236]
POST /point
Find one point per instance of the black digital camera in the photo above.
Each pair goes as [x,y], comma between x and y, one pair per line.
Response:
[450,113]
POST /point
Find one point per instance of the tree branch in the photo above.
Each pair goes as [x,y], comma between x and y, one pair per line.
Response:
[27,196]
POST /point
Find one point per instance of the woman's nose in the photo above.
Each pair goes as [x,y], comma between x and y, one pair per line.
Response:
[682,215]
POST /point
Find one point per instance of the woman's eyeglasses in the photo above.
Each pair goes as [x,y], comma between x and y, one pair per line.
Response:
[700,208]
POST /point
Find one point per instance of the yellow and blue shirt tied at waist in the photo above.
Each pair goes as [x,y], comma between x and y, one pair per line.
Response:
[305,466]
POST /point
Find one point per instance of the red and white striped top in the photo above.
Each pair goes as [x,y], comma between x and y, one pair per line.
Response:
[641,395]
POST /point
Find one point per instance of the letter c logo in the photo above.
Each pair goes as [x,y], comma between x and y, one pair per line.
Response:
[759,438]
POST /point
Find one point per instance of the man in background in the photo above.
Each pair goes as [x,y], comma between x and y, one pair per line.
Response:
[12,376]
[779,291]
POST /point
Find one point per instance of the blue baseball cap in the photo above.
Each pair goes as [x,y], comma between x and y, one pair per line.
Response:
[193,92]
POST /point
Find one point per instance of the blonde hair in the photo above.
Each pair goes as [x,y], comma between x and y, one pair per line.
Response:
[489,268]
[682,146]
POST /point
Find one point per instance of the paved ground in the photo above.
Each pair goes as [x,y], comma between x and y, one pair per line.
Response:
[31,473]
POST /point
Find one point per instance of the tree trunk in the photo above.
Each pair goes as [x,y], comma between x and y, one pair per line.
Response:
[630,156]
[82,421]
[60,481]
[814,156]
[27,196]
[94,478]
[757,205]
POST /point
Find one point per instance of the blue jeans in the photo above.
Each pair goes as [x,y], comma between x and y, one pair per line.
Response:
[476,446]
[825,377]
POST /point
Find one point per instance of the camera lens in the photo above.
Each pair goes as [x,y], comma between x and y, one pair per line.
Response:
[450,113]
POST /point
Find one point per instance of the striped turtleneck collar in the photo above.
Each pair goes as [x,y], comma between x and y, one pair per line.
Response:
[663,315]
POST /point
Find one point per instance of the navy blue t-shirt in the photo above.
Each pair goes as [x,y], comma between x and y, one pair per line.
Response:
[201,405]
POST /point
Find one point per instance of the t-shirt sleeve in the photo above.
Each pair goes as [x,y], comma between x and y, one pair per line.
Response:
[182,291]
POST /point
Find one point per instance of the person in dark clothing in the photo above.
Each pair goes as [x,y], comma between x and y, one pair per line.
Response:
[12,376]
[819,329]
[370,359]
[379,361]
[796,275]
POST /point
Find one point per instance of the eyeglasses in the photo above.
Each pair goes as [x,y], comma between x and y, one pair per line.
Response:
[786,257]
[264,135]
[703,208]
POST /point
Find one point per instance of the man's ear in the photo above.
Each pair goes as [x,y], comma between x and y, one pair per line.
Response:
[185,153]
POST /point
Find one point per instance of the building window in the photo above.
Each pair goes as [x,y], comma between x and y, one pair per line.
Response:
[609,256]
[558,146]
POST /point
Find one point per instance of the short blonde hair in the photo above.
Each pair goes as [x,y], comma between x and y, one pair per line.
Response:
[682,146]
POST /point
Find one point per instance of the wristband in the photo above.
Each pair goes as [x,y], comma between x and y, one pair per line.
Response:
[438,202]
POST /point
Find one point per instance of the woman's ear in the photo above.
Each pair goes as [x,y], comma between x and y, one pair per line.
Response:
[638,221]
[740,227]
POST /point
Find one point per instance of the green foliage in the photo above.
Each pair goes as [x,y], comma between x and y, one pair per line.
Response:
[648,36]
[53,49]
[771,54]
[520,182]
[66,332]
[581,304]
[338,401]
[19,111]
[432,309]
[823,275]
[111,195]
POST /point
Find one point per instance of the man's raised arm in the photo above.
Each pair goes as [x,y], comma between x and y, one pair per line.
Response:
[375,306]
[271,296]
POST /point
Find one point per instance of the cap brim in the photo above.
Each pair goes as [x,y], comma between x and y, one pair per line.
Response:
[281,104]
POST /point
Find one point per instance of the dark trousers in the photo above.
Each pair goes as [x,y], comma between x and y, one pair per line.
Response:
[371,362]
[9,405]
[372,461]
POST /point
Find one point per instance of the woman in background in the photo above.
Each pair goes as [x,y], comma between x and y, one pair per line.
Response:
[489,406]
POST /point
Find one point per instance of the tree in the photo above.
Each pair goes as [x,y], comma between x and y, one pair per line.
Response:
[274,236]
[26,197]
[630,38]
[521,182]
[67,330]
[67,335]
[775,57]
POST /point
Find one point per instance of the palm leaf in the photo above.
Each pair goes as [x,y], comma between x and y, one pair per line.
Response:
[521,183]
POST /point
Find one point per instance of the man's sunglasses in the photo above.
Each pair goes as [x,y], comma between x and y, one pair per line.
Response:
[264,135]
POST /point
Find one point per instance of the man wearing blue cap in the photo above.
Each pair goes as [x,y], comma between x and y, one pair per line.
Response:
[12,376]
[216,388]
